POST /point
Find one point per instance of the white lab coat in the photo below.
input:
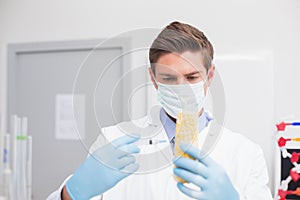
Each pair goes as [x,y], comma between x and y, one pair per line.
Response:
[242,159]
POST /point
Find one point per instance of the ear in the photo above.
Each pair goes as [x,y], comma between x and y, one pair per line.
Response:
[211,74]
[152,76]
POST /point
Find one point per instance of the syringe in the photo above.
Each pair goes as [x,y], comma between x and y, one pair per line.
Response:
[152,141]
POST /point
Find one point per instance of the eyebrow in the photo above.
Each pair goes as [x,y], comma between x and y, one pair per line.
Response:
[189,74]
[162,74]
[192,73]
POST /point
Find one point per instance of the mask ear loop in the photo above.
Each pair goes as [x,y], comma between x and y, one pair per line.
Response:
[155,81]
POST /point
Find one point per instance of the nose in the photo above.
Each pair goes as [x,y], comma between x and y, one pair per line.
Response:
[181,80]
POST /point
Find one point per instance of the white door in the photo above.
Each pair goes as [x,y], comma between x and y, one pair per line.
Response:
[38,72]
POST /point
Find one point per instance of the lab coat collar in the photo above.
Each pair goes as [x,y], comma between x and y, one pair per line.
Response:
[154,120]
[170,126]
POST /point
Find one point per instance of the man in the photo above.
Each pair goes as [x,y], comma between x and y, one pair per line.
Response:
[180,56]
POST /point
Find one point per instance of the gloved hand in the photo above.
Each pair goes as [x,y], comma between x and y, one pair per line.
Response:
[104,168]
[205,173]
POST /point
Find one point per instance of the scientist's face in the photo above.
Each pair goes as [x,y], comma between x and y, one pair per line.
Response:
[182,68]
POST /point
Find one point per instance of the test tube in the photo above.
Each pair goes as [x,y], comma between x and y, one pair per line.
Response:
[29,168]
[23,160]
[7,173]
[19,127]
[14,133]
[187,132]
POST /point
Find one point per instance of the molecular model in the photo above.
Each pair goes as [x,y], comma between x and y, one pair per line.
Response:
[294,174]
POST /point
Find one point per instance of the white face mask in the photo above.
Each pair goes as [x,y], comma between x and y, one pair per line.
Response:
[182,97]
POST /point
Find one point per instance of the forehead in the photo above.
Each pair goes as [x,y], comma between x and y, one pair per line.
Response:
[184,63]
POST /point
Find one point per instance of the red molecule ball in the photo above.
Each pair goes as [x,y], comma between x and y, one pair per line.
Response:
[295,176]
[282,141]
[281,126]
[294,157]
[282,194]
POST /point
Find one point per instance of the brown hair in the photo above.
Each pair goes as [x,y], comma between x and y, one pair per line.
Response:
[178,37]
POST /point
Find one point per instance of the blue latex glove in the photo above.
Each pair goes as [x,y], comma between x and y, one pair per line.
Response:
[205,173]
[104,168]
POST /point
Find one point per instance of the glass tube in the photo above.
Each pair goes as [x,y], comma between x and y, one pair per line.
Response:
[7,173]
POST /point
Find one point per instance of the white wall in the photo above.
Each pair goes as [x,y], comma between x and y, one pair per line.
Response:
[232,26]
